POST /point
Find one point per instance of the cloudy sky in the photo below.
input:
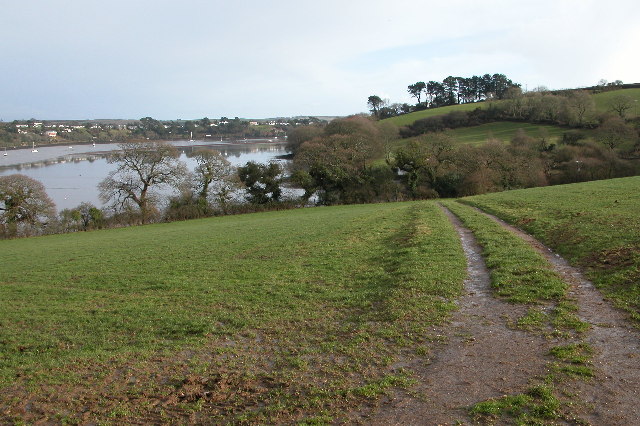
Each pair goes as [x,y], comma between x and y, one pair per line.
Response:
[86,59]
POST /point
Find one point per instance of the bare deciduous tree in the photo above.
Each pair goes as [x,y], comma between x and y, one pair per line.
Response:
[620,104]
[582,105]
[214,176]
[141,166]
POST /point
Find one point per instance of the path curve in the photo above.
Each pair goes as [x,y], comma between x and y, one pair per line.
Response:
[615,393]
[482,359]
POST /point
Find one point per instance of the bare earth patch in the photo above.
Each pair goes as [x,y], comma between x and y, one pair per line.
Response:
[483,358]
[612,397]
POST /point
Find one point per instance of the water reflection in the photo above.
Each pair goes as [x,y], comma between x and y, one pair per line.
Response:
[71,176]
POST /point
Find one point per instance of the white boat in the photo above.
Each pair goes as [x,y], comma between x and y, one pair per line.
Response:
[191,137]
[5,151]
[33,149]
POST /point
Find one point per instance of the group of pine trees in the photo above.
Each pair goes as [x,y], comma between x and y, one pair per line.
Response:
[450,91]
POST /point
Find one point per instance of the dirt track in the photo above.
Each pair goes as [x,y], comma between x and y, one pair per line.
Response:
[615,393]
[484,358]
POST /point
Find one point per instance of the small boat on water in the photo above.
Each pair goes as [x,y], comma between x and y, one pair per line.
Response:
[5,151]
[33,149]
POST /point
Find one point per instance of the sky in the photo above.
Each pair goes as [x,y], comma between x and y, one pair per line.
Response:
[188,59]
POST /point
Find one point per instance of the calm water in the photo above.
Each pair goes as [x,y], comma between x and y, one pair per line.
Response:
[71,174]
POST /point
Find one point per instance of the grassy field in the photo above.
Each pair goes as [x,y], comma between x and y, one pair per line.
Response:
[602,100]
[505,131]
[595,225]
[273,317]
[406,119]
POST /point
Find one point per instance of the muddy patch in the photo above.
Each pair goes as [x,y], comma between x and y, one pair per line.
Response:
[612,397]
[482,359]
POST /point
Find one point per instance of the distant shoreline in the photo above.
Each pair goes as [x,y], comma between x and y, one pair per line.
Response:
[229,141]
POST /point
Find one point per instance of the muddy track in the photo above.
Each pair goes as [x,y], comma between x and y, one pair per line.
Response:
[613,398]
[482,359]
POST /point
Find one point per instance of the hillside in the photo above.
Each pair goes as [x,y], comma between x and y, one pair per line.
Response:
[405,119]
[282,306]
[603,100]
[505,131]
[324,315]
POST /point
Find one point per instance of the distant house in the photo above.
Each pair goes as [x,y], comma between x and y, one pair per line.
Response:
[253,123]
[51,133]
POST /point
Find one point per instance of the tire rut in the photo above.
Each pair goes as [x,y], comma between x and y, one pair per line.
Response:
[482,359]
[613,397]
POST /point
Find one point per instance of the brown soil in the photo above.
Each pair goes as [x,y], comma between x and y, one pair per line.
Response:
[483,358]
[613,397]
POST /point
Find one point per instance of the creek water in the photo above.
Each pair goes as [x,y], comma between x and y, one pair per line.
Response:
[71,174]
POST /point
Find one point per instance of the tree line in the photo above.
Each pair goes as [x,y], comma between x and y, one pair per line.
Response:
[450,91]
[336,166]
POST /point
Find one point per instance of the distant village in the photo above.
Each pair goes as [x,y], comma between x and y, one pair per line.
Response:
[26,132]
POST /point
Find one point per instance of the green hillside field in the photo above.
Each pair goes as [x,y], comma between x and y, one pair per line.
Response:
[297,311]
[505,131]
[501,130]
[594,225]
[406,119]
[602,100]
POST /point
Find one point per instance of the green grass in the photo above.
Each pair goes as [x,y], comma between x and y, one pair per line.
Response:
[518,272]
[303,311]
[602,100]
[594,225]
[537,406]
[505,131]
[406,119]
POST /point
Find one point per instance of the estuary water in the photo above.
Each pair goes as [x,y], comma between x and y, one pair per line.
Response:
[71,174]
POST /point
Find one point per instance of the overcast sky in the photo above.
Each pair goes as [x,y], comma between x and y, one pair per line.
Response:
[86,59]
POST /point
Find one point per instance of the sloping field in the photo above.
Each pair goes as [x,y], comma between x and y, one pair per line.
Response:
[603,100]
[260,318]
[595,225]
[505,131]
[406,119]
